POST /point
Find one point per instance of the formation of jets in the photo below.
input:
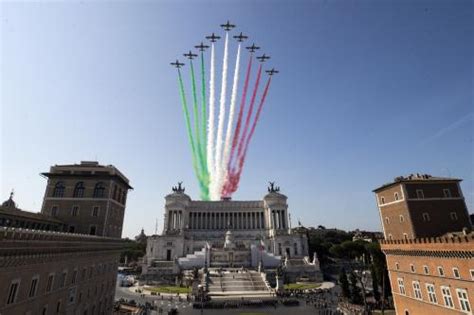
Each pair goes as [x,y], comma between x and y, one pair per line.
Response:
[227,26]
[252,48]
[190,55]
[213,38]
[177,64]
[271,72]
[201,47]
[263,57]
[241,37]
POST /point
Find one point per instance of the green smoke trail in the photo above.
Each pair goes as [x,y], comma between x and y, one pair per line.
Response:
[203,189]
[197,135]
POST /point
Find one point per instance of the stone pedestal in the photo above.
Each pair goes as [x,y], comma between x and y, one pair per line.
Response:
[279,284]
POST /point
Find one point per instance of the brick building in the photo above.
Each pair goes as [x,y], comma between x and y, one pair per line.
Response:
[90,197]
[421,206]
[64,259]
[429,245]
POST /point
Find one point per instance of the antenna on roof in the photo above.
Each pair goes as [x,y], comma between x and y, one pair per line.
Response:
[156,226]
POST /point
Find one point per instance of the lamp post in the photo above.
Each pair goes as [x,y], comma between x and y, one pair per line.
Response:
[201,296]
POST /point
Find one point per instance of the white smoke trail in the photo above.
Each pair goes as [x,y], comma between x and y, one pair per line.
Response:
[210,127]
[230,122]
[215,194]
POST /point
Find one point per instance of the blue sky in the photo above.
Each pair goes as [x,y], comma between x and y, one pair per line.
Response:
[367,90]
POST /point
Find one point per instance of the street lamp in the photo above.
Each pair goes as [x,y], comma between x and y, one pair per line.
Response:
[201,295]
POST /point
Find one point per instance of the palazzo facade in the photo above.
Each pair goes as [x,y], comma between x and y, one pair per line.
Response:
[195,232]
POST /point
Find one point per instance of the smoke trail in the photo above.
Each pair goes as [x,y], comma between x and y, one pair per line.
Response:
[203,116]
[197,128]
[249,113]
[190,134]
[215,186]
[257,116]
[230,122]
[233,182]
[210,126]
[241,112]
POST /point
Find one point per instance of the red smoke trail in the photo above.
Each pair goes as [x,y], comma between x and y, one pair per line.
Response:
[241,112]
[233,179]
[249,113]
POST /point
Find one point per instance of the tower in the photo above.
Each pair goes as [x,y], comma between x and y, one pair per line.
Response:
[88,197]
[421,205]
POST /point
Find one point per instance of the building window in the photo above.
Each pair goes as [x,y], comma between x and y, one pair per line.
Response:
[79,190]
[124,196]
[95,211]
[402,219]
[119,194]
[74,276]
[453,216]
[45,310]
[62,281]
[472,274]
[13,291]
[426,217]
[447,298]
[431,293]
[72,229]
[440,271]
[405,236]
[463,300]
[447,193]
[401,286]
[58,307]
[397,266]
[412,268]
[54,211]
[387,220]
[456,273]
[390,237]
[99,190]
[426,270]
[420,194]
[49,283]
[382,200]
[417,290]
[59,190]
[71,295]
[115,192]
[295,248]
[75,211]
[92,230]
[396,196]
[33,286]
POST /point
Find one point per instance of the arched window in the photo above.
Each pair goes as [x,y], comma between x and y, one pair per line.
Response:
[59,190]
[79,190]
[119,196]
[99,190]
[124,196]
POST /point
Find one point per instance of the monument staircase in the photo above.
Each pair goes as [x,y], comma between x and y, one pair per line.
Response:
[197,260]
[237,283]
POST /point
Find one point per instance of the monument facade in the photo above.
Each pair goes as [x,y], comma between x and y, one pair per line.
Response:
[226,234]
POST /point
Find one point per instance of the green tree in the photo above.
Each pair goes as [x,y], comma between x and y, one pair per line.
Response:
[375,283]
[356,296]
[344,283]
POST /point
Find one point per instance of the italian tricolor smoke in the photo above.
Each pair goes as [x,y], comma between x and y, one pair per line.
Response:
[219,137]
